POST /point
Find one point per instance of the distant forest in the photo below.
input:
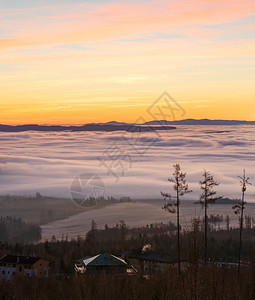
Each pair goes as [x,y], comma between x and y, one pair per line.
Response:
[14,229]
[40,209]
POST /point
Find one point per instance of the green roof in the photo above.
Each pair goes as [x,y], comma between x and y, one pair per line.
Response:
[104,260]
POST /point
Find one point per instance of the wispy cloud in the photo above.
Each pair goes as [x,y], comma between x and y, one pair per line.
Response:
[64,107]
[93,22]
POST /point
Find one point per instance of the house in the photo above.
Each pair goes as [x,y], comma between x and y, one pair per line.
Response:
[101,263]
[149,261]
[12,266]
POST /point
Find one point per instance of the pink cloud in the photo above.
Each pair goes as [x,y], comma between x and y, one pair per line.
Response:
[91,23]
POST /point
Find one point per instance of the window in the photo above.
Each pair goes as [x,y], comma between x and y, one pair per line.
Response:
[3,272]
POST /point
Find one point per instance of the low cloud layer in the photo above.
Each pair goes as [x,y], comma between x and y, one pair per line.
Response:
[138,164]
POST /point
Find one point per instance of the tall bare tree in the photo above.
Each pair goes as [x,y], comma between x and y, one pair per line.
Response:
[173,206]
[207,197]
[239,210]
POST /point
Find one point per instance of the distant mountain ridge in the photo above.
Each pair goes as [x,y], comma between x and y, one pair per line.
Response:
[201,122]
[122,126]
[86,127]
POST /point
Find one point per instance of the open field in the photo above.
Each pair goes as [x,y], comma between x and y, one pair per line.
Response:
[139,213]
[59,216]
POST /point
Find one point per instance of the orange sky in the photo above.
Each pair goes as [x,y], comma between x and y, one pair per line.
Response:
[74,63]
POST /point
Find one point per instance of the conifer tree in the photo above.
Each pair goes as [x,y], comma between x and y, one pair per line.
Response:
[239,210]
[173,206]
[207,197]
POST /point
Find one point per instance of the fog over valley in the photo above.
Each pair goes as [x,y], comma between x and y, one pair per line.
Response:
[130,164]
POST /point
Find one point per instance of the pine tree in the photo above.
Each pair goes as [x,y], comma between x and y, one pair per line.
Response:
[91,235]
[207,197]
[173,206]
[123,231]
[227,220]
[239,209]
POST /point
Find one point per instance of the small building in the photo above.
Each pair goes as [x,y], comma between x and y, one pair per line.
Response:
[149,261]
[12,266]
[101,263]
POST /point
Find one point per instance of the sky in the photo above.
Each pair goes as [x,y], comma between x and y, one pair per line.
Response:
[76,62]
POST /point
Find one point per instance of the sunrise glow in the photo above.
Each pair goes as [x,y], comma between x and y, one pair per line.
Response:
[66,62]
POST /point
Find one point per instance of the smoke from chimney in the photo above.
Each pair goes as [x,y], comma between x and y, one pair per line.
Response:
[146,248]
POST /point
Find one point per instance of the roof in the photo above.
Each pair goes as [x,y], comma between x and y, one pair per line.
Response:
[80,260]
[104,260]
[151,256]
[17,259]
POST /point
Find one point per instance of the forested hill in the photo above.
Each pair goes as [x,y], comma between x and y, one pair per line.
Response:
[14,229]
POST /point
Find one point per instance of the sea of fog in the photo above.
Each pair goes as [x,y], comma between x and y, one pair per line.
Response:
[136,165]
[129,164]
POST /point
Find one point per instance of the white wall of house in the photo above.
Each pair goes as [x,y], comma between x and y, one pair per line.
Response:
[6,273]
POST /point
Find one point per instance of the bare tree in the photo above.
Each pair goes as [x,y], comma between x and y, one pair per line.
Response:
[207,197]
[239,210]
[173,206]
